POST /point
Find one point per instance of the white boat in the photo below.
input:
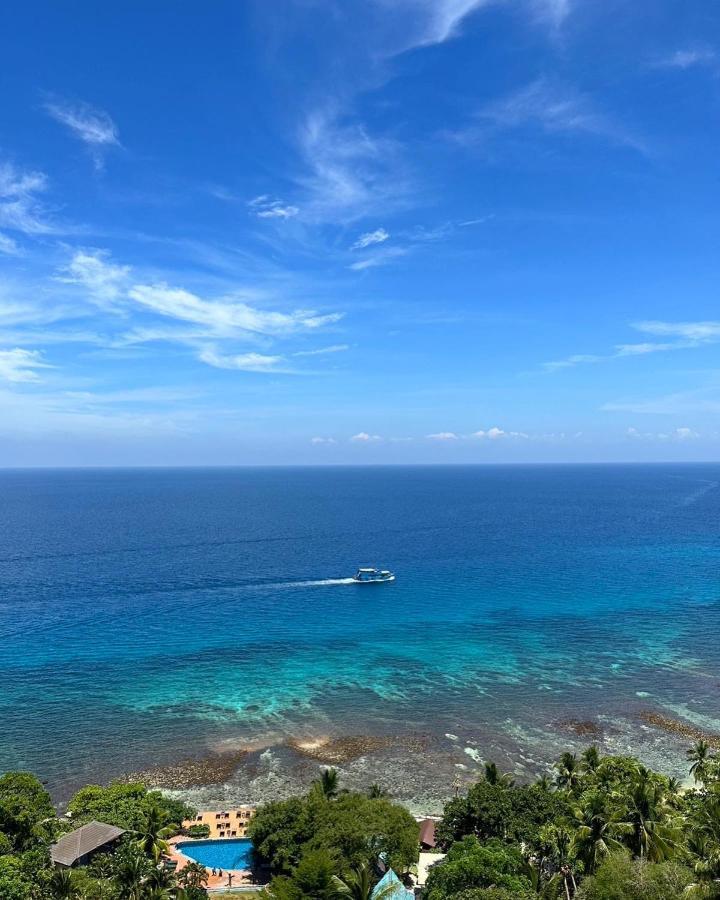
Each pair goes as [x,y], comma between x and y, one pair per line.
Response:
[373,576]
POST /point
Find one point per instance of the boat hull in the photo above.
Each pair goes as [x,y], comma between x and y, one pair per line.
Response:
[377,580]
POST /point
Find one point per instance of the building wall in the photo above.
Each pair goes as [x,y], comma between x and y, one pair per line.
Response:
[224,823]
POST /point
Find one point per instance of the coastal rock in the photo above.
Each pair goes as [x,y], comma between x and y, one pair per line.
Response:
[190,773]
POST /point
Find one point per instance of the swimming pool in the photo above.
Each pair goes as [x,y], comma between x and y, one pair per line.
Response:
[235,853]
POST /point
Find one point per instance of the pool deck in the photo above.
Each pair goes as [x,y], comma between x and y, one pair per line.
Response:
[240,877]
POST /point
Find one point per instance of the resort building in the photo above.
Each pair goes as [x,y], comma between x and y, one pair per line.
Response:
[225,824]
[79,847]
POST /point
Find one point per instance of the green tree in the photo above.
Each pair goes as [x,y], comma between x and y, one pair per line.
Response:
[15,883]
[621,878]
[470,864]
[700,758]
[593,821]
[328,783]
[645,820]
[152,834]
[64,885]
[568,772]
[193,875]
[126,806]
[494,776]
[513,813]
[313,879]
[590,759]
[354,827]
[26,811]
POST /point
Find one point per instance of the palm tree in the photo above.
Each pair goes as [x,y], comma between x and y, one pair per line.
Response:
[493,776]
[544,782]
[193,875]
[593,838]
[375,792]
[63,885]
[591,759]
[130,876]
[645,822]
[699,755]
[359,884]
[152,834]
[568,772]
[328,783]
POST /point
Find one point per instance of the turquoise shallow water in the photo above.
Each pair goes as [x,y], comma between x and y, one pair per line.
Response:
[148,614]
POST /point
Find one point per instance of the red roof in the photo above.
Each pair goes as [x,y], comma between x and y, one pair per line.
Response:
[427,833]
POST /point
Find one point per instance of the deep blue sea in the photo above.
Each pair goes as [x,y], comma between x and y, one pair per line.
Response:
[151,615]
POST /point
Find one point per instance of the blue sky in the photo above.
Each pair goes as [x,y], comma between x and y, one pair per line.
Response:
[359,231]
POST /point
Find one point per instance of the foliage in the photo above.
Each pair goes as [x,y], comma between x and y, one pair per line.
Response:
[470,864]
[26,810]
[312,879]
[499,810]
[125,806]
[198,831]
[621,878]
[353,828]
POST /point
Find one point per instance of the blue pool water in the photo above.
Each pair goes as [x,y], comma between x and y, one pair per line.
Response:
[147,612]
[235,853]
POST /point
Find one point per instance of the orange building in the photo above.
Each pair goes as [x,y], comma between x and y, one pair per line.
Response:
[224,824]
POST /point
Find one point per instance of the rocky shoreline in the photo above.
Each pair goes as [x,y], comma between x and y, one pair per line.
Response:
[190,773]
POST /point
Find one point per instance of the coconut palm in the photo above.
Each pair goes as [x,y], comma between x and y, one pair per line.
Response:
[699,755]
[646,824]
[63,885]
[193,875]
[590,759]
[359,884]
[328,783]
[568,772]
[594,834]
[130,877]
[151,835]
[494,776]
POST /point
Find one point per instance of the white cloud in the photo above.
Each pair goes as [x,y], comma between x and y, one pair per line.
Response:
[20,209]
[680,434]
[226,315]
[92,126]
[323,440]
[443,436]
[8,246]
[496,434]
[381,258]
[689,58]
[323,351]
[370,237]
[555,108]
[431,21]
[20,365]
[92,269]
[351,173]
[265,207]
[364,438]
[242,362]
[574,360]
[691,331]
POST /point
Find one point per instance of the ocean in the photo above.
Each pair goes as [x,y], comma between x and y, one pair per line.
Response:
[150,616]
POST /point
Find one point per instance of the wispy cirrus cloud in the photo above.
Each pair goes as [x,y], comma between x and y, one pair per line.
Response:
[266,207]
[91,125]
[243,362]
[226,315]
[8,246]
[553,107]
[20,206]
[686,335]
[378,236]
[91,268]
[21,366]
[689,58]
[323,351]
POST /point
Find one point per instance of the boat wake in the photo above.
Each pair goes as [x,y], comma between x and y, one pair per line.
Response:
[321,582]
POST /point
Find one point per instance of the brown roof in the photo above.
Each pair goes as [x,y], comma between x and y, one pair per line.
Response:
[72,847]
[427,833]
